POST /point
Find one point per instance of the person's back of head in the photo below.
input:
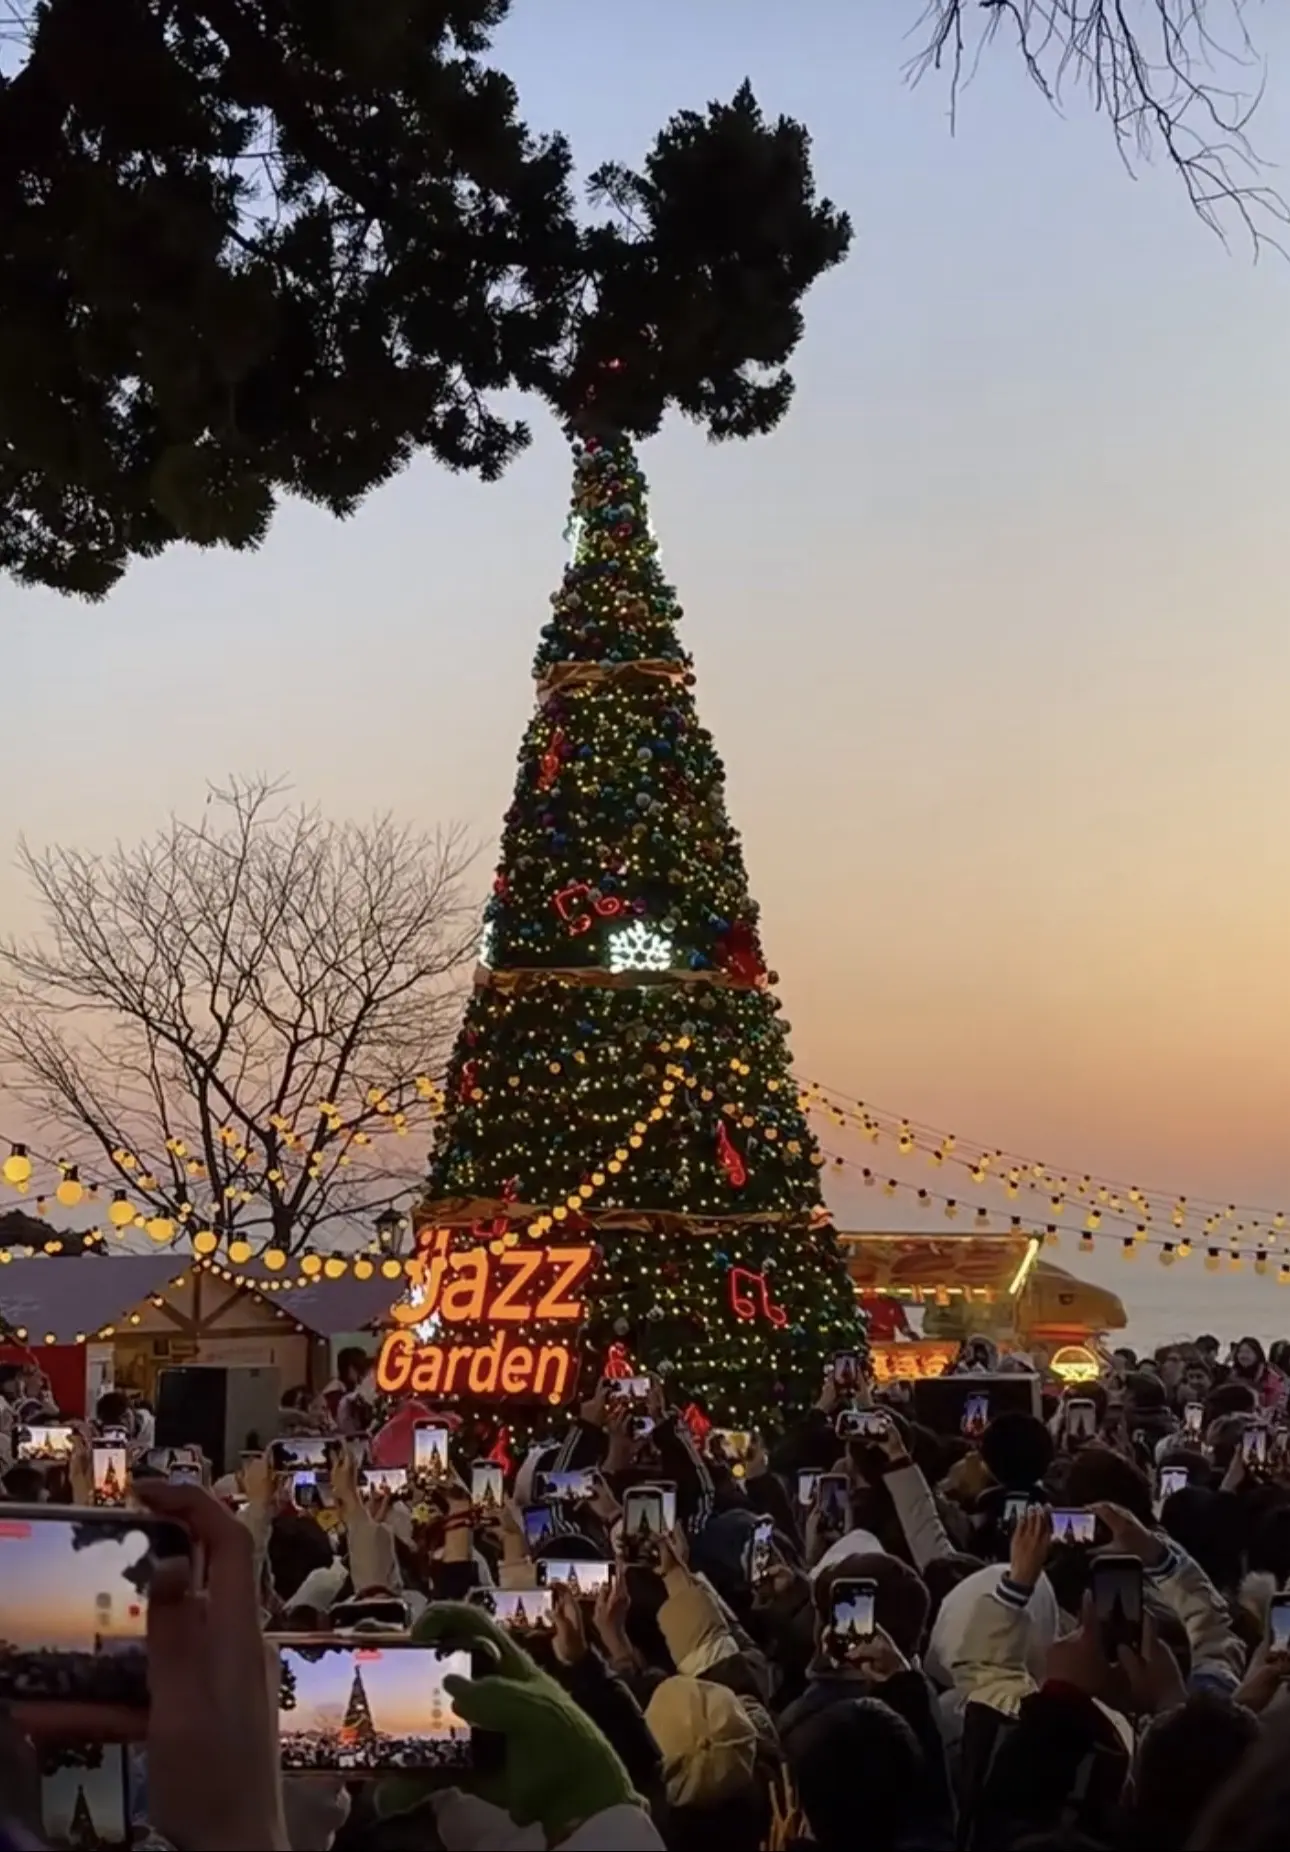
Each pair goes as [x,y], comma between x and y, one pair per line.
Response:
[1183,1759]
[944,1573]
[708,1745]
[112,1410]
[1269,1551]
[297,1546]
[1144,1393]
[1252,1806]
[1098,1476]
[24,1484]
[1018,1449]
[901,1603]
[860,1775]
[1230,1398]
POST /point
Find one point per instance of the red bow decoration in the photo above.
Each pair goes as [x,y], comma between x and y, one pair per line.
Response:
[577,909]
[729,1159]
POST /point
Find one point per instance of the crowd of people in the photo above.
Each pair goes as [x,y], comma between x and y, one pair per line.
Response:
[977,1694]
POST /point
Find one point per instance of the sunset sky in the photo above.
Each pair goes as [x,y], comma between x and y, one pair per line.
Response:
[49,1589]
[991,633]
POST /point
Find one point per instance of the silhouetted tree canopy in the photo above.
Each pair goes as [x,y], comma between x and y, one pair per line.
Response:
[263,246]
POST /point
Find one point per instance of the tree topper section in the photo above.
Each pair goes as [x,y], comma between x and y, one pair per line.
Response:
[488,1321]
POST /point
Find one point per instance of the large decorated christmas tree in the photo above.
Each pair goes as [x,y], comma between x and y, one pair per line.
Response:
[622,1073]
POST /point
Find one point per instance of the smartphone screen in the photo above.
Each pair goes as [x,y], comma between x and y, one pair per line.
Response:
[539,1522]
[1015,1507]
[1172,1479]
[430,1452]
[643,1521]
[635,1388]
[487,1486]
[373,1610]
[851,1617]
[576,1484]
[1194,1419]
[294,1455]
[187,1472]
[310,1490]
[668,1489]
[761,1552]
[88,1806]
[1116,1582]
[46,1445]
[74,1604]
[1254,1447]
[976,1414]
[834,1501]
[1279,1623]
[111,1473]
[523,1610]
[581,1578]
[807,1480]
[1074,1527]
[1081,1419]
[384,1479]
[846,1369]
[363,1710]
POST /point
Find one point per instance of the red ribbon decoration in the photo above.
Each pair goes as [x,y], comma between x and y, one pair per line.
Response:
[744,1305]
[729,1159]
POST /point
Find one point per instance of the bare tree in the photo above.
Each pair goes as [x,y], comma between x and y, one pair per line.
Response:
[1179,78]
[239,1018]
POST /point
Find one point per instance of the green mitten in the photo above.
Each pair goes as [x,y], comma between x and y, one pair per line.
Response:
[558,1769]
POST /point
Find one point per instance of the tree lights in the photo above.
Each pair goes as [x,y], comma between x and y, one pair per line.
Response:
[622,1074]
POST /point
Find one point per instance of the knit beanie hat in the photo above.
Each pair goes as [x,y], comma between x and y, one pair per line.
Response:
[707,1740]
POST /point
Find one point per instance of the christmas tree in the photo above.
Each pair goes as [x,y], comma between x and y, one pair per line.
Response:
[622,1073]
[358,1726]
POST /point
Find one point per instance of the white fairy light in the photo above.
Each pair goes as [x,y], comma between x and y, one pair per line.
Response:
[636,948]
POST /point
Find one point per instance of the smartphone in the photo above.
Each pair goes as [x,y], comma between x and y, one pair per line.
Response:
[1074,1526]
[74,1608]
[668,1488]
[1194,1420]
[583,1578]
[310,1490]
[157,1459]
[190,1456]
[807,1480]
[1279,1623]
[372,1611]
[976,1414]
[1081,1419]
[521,1610]
[356,1710]
[539,1521]
[634,1388]
[430,1450]
[644,1522]
[1254,1448]
[638,1426]
[846,1369]
[111,1473]
[730,1446]
[487,1486]
[1116,1583]
[88,1804]
[1171,1479]
[833,1501]
[577,1484]
[46,1444]
[187,1472]
[860,1424]
[1015,1507]
[851,1617]
[759,1557]
[295,1455]
[112,1437]
[384,1479]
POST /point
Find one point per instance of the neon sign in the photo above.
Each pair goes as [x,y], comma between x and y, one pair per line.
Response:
[462,1329]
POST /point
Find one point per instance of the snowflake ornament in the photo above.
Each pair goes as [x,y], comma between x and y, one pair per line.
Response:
[637,948]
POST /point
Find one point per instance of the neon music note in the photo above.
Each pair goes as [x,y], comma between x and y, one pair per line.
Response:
[742,1302]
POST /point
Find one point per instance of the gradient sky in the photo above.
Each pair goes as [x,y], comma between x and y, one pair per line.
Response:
[991,633]
[51,1589]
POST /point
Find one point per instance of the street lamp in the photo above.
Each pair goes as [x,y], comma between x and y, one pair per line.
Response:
[389,1231]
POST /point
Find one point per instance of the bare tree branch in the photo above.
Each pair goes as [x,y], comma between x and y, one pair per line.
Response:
[245,1006]
[1178,78]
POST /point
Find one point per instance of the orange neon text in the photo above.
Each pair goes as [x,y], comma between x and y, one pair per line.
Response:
[502,1367]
